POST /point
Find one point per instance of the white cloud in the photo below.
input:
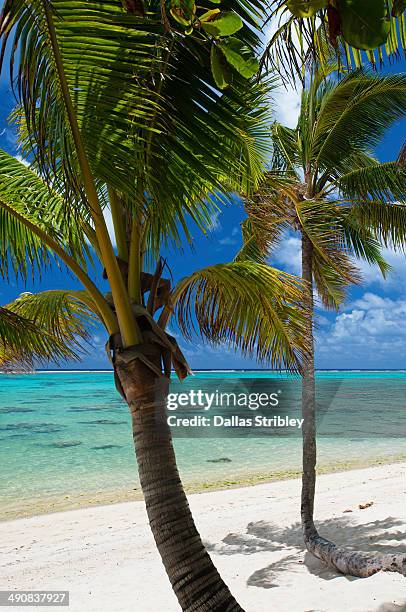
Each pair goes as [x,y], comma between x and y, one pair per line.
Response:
[371,330]
[286,99]
[215,221]
[396,279]
[286,105]
[227,241]
[287,255]
[233,239]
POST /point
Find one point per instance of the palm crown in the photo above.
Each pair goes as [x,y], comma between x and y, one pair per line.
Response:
[326,183]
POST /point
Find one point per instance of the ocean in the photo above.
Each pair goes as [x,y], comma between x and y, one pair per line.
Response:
[65,437]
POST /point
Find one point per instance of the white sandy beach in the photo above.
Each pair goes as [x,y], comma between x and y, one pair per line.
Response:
[105,556]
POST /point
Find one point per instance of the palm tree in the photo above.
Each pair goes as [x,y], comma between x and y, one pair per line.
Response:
[326,184]
[120,109]
[264,319]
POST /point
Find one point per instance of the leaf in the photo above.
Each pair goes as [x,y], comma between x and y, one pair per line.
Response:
[355,115]
[183,11]
[223,25]
[22,190]
[239,57]
[219,68]
[305,8]
[297,42]
[247,305]
[44,326]
[380,181]
[257,242]
[145,106]
[365,25]
[386,220]
[209,15]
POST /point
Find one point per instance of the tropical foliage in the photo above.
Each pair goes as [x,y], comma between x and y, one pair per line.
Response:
[354,31]
[38,328]
[142,148]
[229,302]
[326,183]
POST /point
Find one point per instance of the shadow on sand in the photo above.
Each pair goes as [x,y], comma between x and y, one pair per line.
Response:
[386,535]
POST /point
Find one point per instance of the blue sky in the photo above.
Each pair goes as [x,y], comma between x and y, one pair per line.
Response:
[368,332]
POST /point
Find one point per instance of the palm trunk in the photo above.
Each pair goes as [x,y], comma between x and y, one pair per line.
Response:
[354,563]
[308,401]
[195,581]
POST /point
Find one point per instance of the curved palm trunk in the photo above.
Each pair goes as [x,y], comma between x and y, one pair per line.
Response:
[355,563]
[195,581]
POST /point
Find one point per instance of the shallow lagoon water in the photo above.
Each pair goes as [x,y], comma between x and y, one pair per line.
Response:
[65,438]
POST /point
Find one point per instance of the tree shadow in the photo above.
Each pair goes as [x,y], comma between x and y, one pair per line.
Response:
[384,535]
[266,578]
[392,607]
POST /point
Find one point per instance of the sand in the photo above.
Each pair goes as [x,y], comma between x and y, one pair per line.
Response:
[105,556]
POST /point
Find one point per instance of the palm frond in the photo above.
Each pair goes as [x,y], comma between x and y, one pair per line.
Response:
[127,77]
[256,243]
[298,41]
[386,220]
[24,192]
[330,286]
[361,241]
[248,306]
[37,328]
[355,115]
[286,148]
[100,48]
[321,222]
[380,181]
[222,150]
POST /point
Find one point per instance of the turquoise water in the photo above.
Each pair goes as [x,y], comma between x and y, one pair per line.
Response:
[65,438]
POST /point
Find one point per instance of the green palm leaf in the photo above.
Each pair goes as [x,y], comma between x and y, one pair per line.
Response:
[127,78]
[361,240]
[354,116]
[386,220]
[247,305]
[24,193]
[321,222]
[379,181]
[256,243]
[42,327]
